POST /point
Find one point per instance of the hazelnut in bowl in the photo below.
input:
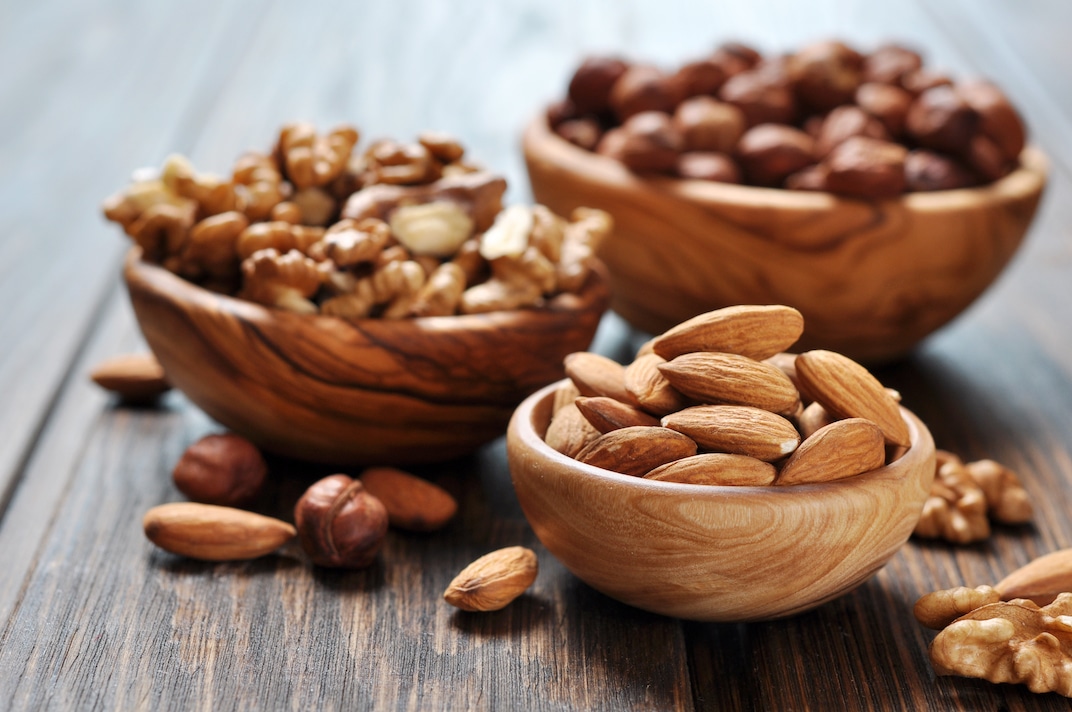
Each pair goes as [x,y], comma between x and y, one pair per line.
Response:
[878,197]
[386,311]
[661,489]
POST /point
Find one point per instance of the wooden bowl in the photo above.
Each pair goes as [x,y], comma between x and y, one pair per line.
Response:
[872,279]
[714,553]
[366,391]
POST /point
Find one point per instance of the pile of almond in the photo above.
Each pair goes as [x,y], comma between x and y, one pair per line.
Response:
[716,400]
[827,117]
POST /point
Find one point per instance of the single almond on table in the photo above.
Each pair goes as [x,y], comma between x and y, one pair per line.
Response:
[737,429]
[716,468]
[845,448]
[569,431]
[1041,580]
[606,414]
[135,378]
[213,533]
[596,375]
[848,390]
[412,503]
[636,450]
[493,580]
[732,380]
[650,389]
[754,331]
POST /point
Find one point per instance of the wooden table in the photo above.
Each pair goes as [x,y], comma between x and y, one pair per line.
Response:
[93,617]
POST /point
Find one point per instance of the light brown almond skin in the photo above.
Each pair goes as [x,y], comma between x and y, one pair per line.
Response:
[636,450]
[785,362]
[848,390]
[716,468]
[494,580]
[213,533]
[729,379]
[135,378]
[564,395]
[737,429]
[1040,580]
[757,332]
[812,418]
[606,414]
[650,389]
[412,503]
[596,375]
[845,448]
[569,431]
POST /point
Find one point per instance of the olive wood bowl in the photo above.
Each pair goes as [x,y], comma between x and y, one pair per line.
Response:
[365,391]
[714,553]
[872,278]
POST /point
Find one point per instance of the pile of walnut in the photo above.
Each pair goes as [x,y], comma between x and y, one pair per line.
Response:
[964,497]
[715,400]
[867,125]
[400,230]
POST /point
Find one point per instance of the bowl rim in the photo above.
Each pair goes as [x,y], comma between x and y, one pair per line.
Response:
[540,141]
[523,426]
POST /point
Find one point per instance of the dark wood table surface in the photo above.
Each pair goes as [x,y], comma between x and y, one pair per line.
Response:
[93,617]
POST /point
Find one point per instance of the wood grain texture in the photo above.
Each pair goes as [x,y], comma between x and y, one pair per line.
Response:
[363,391]
[872,279]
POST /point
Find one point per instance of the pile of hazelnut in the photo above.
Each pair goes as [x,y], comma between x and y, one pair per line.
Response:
[399,230]
[827,117]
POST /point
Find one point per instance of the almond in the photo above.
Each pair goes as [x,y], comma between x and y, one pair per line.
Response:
[842,449]
[135,378]
[213,533]
[493,580]
[650,389]
[786,363]
[606,414]
[596,375]
[569,431]
[564,395]
[716,469]
[636,450]
[730,379]
[754,331]
[812,418]
[412,503]
[848,390]
[1041,580]
[737,429]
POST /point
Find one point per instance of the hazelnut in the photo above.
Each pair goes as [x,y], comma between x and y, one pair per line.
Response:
[770,152]
[811,178]
[590,87]
[561,110]
[843,123]
[761,96]
[866,168]
[708,165]
[735,57]
[646,142]
[920,80]
[700,78]
[889,63]
[887,103]
[225,469]
[927,170]
[825,74]
[641,88]
[584,133]
[706,124]
[997,118]
[941,120]
[340,525]
[813,125]
[985,158]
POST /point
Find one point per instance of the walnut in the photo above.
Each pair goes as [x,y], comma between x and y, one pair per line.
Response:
[587,229]
[162,229]
[1006,499]
[317,206]
[939,609]
[311,160]
[956,508]
[351,242]
[393,286]
[1015,642]
[212,194]
[437,228]
[287,211]
[397,163]
[280,280]
[479,193]
[210,250]
[441,294]
[444,148]
[259,185]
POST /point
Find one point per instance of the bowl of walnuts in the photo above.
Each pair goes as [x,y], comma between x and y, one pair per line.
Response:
[877,196]
[374,307]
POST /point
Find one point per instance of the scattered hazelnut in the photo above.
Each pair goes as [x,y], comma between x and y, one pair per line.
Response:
[825,74]
[647,141]
[770,152]
[866,168]
[590,87]
[928,170]
[708,165]
[762,98]
[843,123]
[340,525]
[223,469]
[941,120]
[706,124]
[887,103]
[997,118]
[642,88]
[889,63]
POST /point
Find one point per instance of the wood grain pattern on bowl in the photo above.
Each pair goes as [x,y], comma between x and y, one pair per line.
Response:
[871,278]
[714,553]
[365,391]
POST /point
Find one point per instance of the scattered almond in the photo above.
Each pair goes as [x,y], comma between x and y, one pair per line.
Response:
[412,503]
[754,331]
[737,429]
[606,414]
[636,450]
[213,533]
[135,378]
[494,580]
[845,448]
[716,469]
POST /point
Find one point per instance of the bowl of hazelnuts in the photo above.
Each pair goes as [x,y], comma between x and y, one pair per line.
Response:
[374,307]
[877,196]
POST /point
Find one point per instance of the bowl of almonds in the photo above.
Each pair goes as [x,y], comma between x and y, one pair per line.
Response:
[717,477]
[378,307]
[874,194]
